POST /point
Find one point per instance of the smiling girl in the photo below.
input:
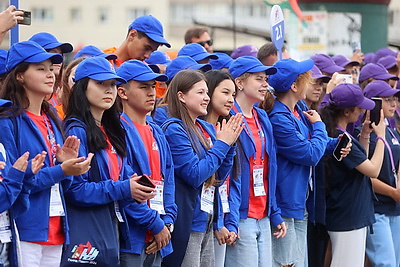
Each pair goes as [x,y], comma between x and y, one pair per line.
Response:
[202,158]
[33,126]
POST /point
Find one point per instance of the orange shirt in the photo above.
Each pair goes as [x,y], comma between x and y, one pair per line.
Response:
[117,62]
[258,206]
[56,231]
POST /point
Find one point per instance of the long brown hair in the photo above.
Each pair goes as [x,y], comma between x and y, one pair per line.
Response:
[183,82]
[13,90]
[66,89]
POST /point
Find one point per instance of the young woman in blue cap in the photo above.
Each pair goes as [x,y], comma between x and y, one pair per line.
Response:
[258,170]
[299,149]
[349,205]
[92,199]
[383,244]
[11,182]
[222,90]
[32,125]
[202,158]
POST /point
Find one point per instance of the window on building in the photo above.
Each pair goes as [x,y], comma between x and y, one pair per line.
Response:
[76,14]
[43,14]
[104,15]
[134,13]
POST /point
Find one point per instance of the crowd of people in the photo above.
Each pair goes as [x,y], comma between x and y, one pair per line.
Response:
[124,157]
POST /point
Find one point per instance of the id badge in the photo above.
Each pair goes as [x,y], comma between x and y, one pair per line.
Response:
[56,206]
[223,192]
[258,180]
[5,227]
[118,212]
[395,141]
[207,199]
[157,202]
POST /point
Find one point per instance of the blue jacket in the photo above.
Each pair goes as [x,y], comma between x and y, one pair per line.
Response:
[140,216]
[191,171]
[160,115]
[33,225]
[298,150]
[10,189]
[246,150]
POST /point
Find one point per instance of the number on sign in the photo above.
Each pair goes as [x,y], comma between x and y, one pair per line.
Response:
[278,32]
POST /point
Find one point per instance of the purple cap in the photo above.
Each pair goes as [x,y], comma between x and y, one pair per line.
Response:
[348,95]
[383,52]
[388,62]
[93,51]
[288,71]
[158,57]
[326,64]
[316,74]
[139,71]
[49,41]
[196,51]
[3,58]
[379,89]
[183,63]
[244,50]
[376,71]
[223,61]
[369,58]
[343,61]
[31,52]
[96,68]
[152,27]
[249,64]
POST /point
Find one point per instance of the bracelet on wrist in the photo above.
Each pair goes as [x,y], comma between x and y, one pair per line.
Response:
[380,138]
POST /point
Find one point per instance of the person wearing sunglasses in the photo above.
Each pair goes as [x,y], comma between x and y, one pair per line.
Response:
[200,35]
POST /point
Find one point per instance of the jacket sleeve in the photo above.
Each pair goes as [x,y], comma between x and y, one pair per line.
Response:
[171,209]
[231,220]
[188,166]
[226,165]
[10,188]
[330,147]
[294,146]
[83,192]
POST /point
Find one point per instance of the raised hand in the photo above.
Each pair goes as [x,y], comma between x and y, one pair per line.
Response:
[69,150]
[229,132]
[77,166]
[38,162]
[22,162]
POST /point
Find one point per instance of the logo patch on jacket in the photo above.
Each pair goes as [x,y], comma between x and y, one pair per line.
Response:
[84,254]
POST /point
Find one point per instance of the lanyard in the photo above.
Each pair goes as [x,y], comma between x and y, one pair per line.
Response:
[237,109]
[52,140]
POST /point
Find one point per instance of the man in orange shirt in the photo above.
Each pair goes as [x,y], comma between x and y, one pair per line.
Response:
[145,35]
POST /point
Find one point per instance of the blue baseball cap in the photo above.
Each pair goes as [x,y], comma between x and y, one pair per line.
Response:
[49,41]
[3,58]
[379,88]
[31,52]
[223,61]
[288,71]
[158,57]
[93,51]
[348,95]
[96,68]
[196,51]
[249,64]
[152,27]
[183,63]
[138,71]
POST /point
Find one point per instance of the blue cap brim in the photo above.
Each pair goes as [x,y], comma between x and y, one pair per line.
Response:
[5,103]
[158,39]
[204,56]
[65,47]
[202,67]
[106,76]
[55,58]
[268,69]
[151,76]
[305,65]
